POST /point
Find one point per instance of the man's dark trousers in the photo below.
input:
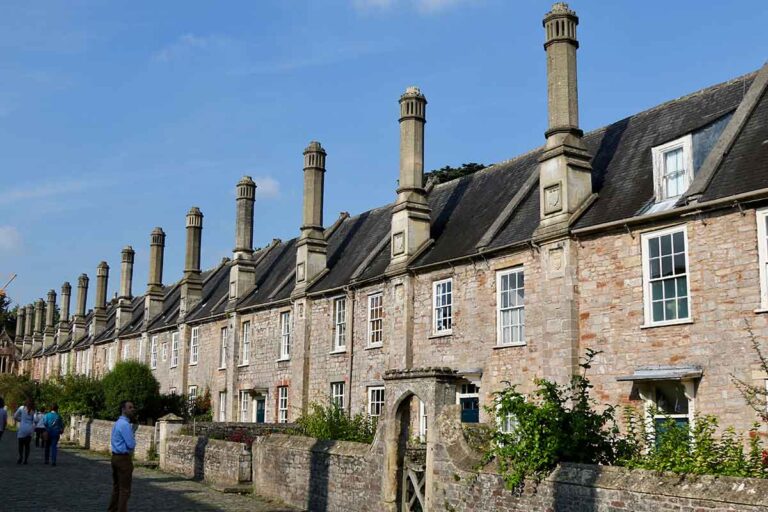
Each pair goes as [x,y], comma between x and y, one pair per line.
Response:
[122,475]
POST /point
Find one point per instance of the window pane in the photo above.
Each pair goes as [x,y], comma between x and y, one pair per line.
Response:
[658,311]
[682,308]
[682,286]
[655,268]
[653,247]
[680,263]
[670,311]
[679,242]
[669,288]
[656,291]
[666,265]
[666,244]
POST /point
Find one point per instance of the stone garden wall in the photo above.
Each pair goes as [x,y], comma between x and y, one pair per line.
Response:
[223,464]
[96,435]
[224,430]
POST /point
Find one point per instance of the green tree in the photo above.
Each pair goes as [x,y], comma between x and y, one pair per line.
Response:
[449,173]
[133,381]
[8,314]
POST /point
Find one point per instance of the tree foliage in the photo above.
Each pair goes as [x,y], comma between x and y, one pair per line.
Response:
[449,173]
[331,422]
[130,380]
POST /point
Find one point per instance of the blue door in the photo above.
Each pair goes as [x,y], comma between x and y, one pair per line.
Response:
[470,409]
[260,402]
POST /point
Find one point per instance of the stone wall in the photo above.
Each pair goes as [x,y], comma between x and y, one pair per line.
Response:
[223,464]
[221,430]
[318,475]
[96,435]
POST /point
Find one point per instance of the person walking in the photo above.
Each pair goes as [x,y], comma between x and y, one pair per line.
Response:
[3,417]
[25,419]
[54,426]
[122,444]
[39,428]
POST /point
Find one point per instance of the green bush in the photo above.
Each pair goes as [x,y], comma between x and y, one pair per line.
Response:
[130,380]
[556,424]
[331,422]
[200,408]
[16,389]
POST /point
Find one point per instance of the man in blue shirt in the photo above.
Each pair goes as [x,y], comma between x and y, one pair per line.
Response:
[123,443]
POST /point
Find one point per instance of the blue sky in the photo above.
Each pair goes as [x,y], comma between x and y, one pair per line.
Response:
[118,116]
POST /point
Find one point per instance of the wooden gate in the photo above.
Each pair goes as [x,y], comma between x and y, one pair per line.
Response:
[414,480]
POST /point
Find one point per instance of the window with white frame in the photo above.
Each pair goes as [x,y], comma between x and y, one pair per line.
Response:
[672,168]
[164,352]
[245,342]
[665,276]
[762,245]
[340,324]
[141,349]
[422,422]
[375,400]
[223,348]
[174,349]
[245,398]
[442,304]
[285,335]
[337,394]
[667,400]
[194,345]
[64,363]
[153,352]
[222,406]
[510,307]
[282,404]
[192,395]
[126,350]
[375,319]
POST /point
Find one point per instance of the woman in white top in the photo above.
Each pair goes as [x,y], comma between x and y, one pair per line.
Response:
[25,419]
[39,428]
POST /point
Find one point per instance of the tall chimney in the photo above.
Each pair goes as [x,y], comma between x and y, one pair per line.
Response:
[411,213]
[311,250]
[78,320]
[20,324]
[63,328]
[124,309]
[153,301]
[37,336]
[29,319]
[192,283]
[100,308]
[50,314]
[242,273]
[565,178]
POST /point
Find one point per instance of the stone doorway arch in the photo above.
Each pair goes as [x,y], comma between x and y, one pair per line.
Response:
[436,388]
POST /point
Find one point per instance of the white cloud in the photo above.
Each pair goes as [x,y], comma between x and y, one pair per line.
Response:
[189,44]
[10,239]
[38,191]
[423,6]
[267,187]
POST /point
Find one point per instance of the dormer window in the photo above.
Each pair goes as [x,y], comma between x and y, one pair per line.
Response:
[672,168]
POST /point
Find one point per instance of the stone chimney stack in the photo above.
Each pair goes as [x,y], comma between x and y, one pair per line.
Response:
[78,320]
[124,310]
[37,336]
[565,178]
[153,300]
[63,327]
[311,257]
[29,319]
[50,315]
[192,283]
[411,213]
[100,308]
[19,324]
[242,273]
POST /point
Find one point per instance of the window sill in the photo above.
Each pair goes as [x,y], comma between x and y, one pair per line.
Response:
[337,352]
[192,364]
[374,347]
[667,324]
[283,359]
[221,368]
[242,365]
[760,311]
[509,345]
[444,334]
[172,367]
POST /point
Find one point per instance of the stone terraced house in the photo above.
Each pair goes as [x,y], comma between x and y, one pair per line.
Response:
[646,239]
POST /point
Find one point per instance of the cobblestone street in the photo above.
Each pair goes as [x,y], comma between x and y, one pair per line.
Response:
[82,482]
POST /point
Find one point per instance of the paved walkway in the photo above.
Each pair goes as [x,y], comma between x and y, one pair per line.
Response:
[82,482]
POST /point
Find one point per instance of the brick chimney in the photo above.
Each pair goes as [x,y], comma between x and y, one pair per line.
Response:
[411,213]
[78,320]
[63,327]
[565,178]
[192,283]
[153,300]
[124,310]
[311,250]
[50,314]
[242,273]
[37,336]
[100,307]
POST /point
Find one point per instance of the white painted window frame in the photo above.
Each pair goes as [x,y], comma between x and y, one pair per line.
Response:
[223,341]
[174,349]
[243,401]
[194,346]
[164,351]
[647,296]
[372,297]
[499,327]
[222,406]
[126,350]
[647,393]
[422,422]
[153,352]
[377,402]
[339,324]
[658,152]
[191,394]
[245,342]
[762,250]
[337,394]
[282,404]
[437,293]
[285,335]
